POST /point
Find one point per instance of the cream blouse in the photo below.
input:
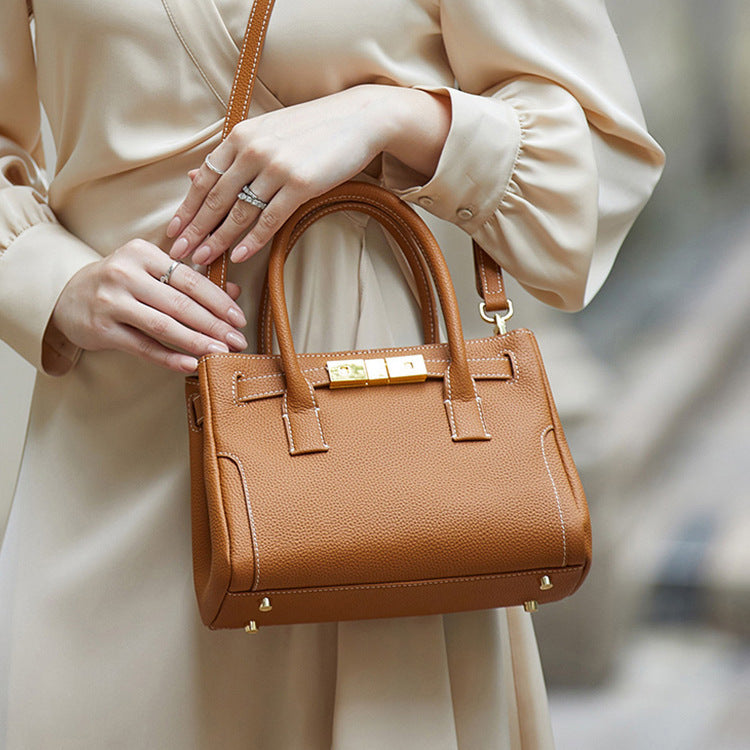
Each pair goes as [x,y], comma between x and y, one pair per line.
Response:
[547,162]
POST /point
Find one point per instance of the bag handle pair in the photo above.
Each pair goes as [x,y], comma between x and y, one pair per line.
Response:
[488,275]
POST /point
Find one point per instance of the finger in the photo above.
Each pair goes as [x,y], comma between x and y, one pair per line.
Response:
[221,209]
[188,316]
[203,181]
[191,174]
[269,222]
[234,290]
[194,285]
[127,339]
[168,331]
[241,217]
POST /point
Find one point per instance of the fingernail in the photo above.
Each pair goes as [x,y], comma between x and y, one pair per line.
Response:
[189,364]
[239,254]
[236,340]
[179,248]
[174,227]
[201,255]
[236,318]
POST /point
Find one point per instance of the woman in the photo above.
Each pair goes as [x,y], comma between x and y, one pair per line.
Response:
[515,120]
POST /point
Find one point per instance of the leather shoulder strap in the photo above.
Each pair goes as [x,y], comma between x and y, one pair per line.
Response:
[488,274]
[247,65]
[239,99]
[489,278]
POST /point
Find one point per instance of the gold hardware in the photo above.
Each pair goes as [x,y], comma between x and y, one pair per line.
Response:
[497,320]
[351,373]
[251,627]
[265,605]
[531,606]
[545,584]
[347,373]
[411,369]
[377,372]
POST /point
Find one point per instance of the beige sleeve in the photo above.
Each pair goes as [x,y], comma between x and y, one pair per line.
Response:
[38,256]
[548,161]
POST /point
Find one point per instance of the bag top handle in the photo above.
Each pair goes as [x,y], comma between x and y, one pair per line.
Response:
[489,277]
[407,228]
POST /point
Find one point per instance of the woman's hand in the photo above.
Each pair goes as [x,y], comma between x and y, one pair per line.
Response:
[293,154]
[119,303]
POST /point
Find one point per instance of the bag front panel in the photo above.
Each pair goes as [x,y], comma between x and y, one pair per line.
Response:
[395,498]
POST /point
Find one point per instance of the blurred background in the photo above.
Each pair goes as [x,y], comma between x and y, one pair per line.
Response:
[652,382]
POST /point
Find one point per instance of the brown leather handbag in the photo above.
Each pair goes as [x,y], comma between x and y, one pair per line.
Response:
[381,483]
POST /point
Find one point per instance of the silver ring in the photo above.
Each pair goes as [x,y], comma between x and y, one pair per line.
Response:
[214,169]
[250,197]
[165,277]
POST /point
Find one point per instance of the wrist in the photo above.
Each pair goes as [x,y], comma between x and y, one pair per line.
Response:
[415,125]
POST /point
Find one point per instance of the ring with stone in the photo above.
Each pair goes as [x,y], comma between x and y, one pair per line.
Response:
[214,169]
[250,197]
[167,275]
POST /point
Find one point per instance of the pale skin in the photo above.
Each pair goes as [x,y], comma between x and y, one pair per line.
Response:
[287,157]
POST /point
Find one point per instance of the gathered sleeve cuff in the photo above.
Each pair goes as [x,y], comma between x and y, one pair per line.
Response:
[34,270]
[547,162]
[38,256]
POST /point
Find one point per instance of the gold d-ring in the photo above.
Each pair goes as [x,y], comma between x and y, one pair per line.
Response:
[497,319]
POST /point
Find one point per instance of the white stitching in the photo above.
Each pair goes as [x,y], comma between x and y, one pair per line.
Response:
[395,228]
[500,285]
[320,428]
[191,411]
[235,82]
[252,396]
[304,225]
[323,590]
[257,55]
[557,495]
[481,415]
[238,463]
[476,398]
[451,418]
[443,360]
[287,424]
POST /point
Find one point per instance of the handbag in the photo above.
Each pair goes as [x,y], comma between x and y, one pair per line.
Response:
[388,482]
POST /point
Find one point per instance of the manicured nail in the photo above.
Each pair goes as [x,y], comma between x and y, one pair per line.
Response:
[179,249]
[201,255]
[236,318]
[188,364]
[236,340]
[174,227]
[217,348]
[239,254]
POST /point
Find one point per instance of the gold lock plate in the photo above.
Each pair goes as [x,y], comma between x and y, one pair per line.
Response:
[353,373]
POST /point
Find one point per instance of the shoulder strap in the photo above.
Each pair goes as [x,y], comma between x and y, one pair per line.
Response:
[239,99]
[489,276]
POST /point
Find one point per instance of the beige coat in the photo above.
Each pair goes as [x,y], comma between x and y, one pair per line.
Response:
[547,164]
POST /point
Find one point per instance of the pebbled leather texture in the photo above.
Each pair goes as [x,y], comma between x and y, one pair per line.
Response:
[451,494]
[456,493]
